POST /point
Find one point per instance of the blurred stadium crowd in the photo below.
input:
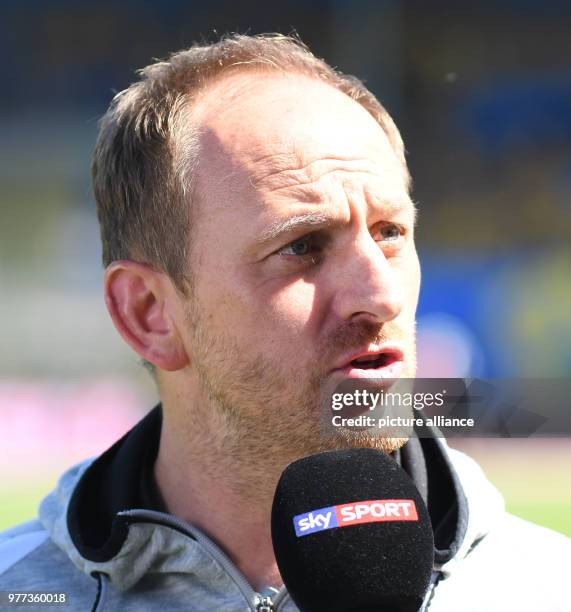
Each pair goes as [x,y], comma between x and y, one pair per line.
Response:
[481,92]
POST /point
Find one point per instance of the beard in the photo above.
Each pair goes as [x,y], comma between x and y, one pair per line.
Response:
[262,415]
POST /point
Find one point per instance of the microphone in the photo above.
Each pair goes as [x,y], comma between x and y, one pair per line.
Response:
[351,533]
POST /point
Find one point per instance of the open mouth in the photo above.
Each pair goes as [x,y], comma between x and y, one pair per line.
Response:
[384,362]
[372,362]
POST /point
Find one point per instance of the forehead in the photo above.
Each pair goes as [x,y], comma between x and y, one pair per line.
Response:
[254,125]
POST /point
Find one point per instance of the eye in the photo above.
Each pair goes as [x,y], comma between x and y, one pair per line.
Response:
[305,247]
[299,247]
[391,232]
[307,250]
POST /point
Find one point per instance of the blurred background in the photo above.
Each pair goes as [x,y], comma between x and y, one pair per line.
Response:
[482,95]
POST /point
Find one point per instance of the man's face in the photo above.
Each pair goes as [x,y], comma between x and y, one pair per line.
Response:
[303,256]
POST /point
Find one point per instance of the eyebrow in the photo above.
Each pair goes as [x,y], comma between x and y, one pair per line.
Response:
[311,222]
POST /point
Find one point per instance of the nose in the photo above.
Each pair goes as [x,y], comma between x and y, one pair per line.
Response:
[366,284]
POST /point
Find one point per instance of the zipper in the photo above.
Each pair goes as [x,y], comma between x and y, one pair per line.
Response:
[434,580]
[256,601]
[265,604]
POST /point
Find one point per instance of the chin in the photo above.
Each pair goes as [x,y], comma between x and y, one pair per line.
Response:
[355,439]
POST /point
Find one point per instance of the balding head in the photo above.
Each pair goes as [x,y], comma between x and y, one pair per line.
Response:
[147,150]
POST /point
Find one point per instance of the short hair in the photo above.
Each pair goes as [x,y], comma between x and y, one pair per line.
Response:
[147,150]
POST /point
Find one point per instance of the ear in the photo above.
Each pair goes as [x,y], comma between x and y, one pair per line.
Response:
[137,297]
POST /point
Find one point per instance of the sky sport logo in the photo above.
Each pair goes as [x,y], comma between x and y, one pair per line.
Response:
[355,513]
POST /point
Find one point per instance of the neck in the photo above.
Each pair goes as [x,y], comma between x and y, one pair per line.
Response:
[203,469]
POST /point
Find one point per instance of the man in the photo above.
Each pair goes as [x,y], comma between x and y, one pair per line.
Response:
[258,237]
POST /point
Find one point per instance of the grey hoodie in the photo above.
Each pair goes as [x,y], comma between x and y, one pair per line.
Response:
[99,541]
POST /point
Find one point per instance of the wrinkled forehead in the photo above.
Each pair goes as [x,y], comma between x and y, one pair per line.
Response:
[254,126]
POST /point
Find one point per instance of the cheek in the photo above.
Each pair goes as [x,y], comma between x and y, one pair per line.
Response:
[251,313]
[291,308]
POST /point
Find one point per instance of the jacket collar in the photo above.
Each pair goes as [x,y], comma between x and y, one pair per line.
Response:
[427,463]
[120,480]
[86,515]
[113,483]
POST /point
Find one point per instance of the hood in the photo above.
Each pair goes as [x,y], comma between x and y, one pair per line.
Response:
[108,520]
